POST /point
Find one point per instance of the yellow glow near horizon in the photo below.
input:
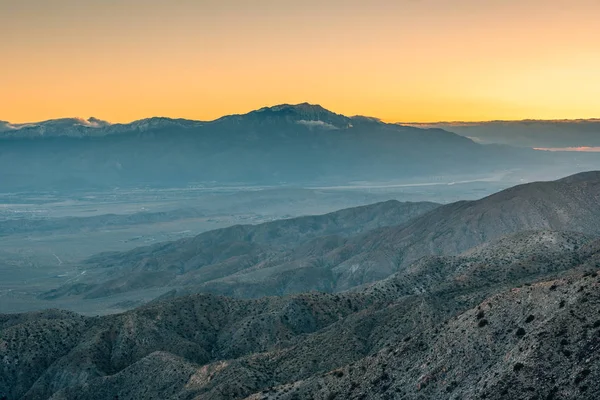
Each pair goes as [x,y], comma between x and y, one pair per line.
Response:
[399,60]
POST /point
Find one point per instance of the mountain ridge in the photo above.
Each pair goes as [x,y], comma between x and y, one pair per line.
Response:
[315,345]
[285,145]
[76,126]
[299,108]
[229,262]
[223,251]
[552,134]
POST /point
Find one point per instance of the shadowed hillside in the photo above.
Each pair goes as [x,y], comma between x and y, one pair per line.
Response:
[216,254]
[433,329]
[238,261]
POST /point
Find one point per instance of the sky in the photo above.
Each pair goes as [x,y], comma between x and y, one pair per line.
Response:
[399,60]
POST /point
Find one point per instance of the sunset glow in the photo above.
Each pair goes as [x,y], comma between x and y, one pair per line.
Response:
[400,60]
[584,149]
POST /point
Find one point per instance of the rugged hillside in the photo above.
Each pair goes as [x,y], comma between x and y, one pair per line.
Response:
[216,254]
[508,259]
[237,263]
[289,144]
[45,352]
[570,204]
[510,337]
[541,341]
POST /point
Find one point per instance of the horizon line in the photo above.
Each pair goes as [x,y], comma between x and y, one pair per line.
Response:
[409,123]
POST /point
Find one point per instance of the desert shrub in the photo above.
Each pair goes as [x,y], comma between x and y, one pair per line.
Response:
[518,366]
[530,319]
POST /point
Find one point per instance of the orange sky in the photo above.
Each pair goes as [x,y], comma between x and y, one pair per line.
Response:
[400,60]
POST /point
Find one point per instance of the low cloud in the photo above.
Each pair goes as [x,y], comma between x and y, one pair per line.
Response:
[317,124]
[92,122]
[475,139]
[6,126]
[65,122]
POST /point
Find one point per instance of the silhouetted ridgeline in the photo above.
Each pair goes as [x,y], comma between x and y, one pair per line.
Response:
[284,144]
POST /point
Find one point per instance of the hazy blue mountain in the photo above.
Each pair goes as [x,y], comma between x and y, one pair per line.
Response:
[76,127]
[528,133]
[291,144]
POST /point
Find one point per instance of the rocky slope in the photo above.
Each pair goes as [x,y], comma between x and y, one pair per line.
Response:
[216,254]
[570,204]
[239,262]
[540,341]
[515,317]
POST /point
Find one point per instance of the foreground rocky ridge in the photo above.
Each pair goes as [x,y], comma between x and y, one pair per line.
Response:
[433,330]
[535,342]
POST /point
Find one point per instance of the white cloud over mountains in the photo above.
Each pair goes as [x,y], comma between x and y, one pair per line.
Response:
[317,124]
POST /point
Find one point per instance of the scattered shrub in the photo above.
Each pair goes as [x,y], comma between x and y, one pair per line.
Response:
[518,366]
[530,319]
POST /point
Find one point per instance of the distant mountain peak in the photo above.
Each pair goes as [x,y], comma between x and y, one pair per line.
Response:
[313,116]
[73,126]
[5,126]
[91,122]
[302,110]
[152,123]
[164,120]
[301,107]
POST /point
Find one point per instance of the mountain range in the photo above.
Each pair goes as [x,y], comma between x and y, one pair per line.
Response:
[217,254]
[554,134]
[341,250]
[286,144]
[486,324]
[489,299]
